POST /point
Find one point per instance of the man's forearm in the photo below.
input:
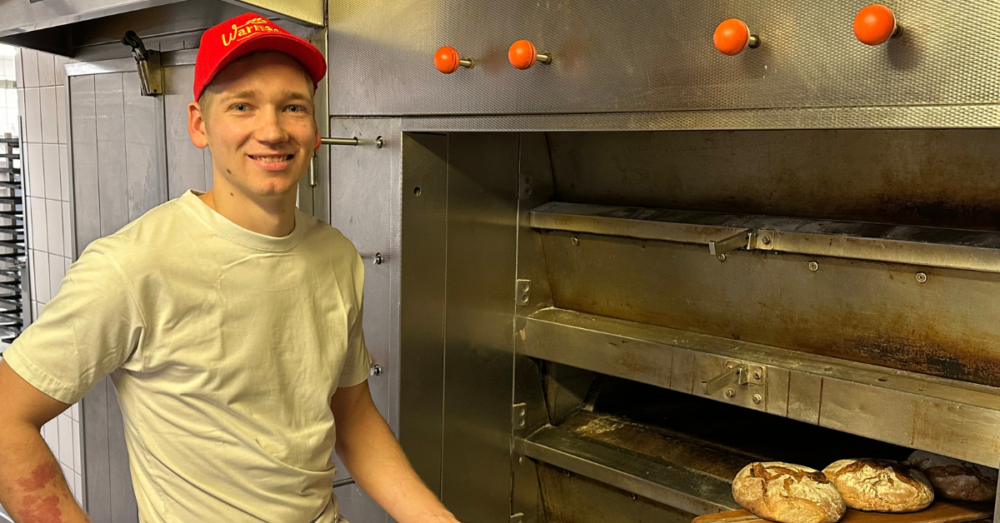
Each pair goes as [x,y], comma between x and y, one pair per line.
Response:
[377,463]
[32,486]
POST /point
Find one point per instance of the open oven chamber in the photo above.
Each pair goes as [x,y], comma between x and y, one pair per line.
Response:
[595,292]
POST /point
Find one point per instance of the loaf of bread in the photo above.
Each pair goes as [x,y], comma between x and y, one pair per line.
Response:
[954,479]
[788,493]
[880,486]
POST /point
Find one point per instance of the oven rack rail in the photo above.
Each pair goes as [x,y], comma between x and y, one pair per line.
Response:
[724,233]
[948,417]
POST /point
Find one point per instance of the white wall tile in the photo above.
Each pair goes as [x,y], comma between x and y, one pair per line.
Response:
[46,69]
[64,173]
[52,175]
[49,111]
[41,308]
[8,69]
[18,71]
[50,431]
[61,114]
[69,474]
[36,170]
[77,455]
[32,116]
[41,281]
[60,65]
[57,270]
[67,234]
[54,231]
[38,228]
[66,440]
[78,493]
[29,68]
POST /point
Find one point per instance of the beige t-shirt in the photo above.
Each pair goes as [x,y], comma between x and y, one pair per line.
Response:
[225,347]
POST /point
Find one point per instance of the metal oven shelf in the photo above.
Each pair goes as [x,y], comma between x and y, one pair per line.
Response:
[724,233]
[949,417]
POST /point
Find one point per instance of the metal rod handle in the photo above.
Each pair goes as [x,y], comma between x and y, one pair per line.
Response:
[353,142]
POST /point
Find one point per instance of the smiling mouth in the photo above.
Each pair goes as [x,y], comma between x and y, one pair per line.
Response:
[272,158]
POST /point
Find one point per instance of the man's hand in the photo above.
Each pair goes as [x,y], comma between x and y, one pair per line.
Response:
[375,460]
[32,486]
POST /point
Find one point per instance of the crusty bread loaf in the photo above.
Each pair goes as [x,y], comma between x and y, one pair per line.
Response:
[788,493]
[954,479]
[880,485]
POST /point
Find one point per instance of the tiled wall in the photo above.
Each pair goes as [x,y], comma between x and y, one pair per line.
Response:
[41,99]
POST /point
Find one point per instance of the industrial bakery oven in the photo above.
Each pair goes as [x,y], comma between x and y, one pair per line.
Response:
[612,279]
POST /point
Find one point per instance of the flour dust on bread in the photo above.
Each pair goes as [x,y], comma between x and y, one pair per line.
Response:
[880,485]
[954,479]
[788,493]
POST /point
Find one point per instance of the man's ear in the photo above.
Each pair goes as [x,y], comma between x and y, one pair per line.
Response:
[196,126]
[319,141]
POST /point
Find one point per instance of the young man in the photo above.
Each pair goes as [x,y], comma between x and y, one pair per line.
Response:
[229,322]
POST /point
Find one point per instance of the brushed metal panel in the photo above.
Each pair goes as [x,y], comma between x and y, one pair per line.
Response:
[482,221]
[422,293]
[908,117]
[185,162]
[365,201]
[83,124]
[943,328]
[654,56]
[111,158]
[145,158]
[805,395]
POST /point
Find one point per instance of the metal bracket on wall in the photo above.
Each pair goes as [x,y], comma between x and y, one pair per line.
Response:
[522,292]
[742,383]
[519,416]
[147,63]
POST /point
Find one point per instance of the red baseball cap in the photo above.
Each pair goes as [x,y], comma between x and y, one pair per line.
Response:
[225,43]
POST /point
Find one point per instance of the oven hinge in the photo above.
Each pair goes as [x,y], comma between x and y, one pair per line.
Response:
[742,383]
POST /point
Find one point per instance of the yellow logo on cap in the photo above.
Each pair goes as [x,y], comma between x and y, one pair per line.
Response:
[250,28]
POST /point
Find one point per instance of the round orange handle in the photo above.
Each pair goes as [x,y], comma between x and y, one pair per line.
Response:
[732,37]
[875,24]
[522,54]
[447,59]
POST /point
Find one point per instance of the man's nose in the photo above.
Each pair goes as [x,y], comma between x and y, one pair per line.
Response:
[270,128]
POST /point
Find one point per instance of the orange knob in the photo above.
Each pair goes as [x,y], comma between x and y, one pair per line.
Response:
[523,55]
[733,36]
[875,24]
[447,60]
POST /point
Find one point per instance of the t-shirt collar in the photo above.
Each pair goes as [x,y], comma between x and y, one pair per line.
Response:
[238,234]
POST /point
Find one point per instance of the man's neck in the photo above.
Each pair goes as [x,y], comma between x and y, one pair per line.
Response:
[273,217]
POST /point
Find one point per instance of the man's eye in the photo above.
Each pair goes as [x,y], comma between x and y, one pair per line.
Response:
[296,108]
[240,107]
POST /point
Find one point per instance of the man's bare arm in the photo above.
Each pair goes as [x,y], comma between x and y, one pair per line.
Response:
[32,486]
[375,460]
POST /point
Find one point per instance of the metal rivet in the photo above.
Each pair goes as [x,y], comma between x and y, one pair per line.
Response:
[721,257]
[416,191]
[568,473]
[631,496]
[730,393]
[379,143]
[921,277]
[375,370]
[522,423]
[757,375]
[575,241]
[813,266]
[378,259]
[757,399]
[766,240]
[520,460]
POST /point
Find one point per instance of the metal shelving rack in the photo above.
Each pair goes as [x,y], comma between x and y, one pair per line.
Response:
[13,240]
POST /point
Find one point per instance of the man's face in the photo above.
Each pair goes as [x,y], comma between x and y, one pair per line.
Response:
[258,119]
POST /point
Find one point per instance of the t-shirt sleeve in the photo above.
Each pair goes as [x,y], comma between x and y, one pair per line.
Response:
[357,361]
[90,328]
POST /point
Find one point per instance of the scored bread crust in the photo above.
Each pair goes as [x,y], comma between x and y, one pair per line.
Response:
[788,493]
[954,479]
[880,485]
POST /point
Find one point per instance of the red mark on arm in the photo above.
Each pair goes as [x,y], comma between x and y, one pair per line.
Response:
[43,474]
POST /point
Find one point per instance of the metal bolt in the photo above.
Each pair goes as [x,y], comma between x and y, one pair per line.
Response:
[766,240]
[721,257]
[921,277]
[520,460]
[378,259]
[375,370]
[757,375]
[631,496]
[813,266]
[521,423]
[575,241]
[568,473]
[757,399]
[379,143]
[730,393]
